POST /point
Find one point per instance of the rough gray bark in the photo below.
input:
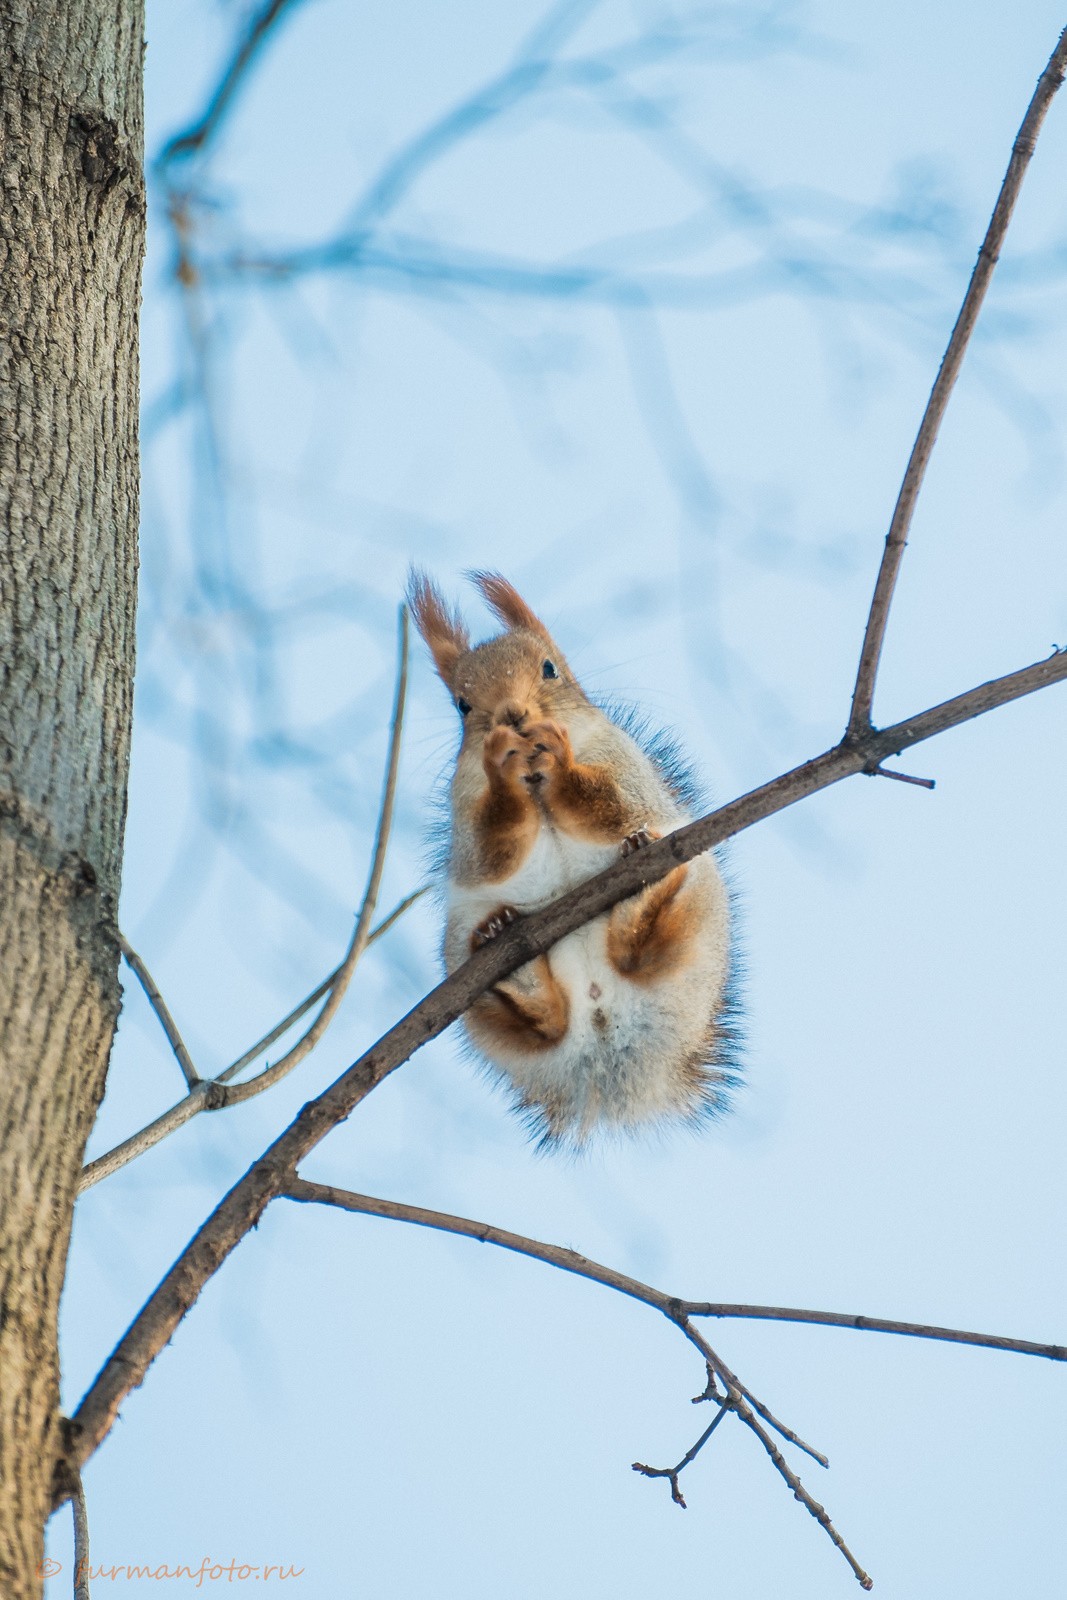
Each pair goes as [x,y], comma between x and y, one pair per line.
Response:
[71,243]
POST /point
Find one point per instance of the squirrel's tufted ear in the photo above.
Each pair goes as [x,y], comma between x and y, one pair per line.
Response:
[443,630]
[508,604]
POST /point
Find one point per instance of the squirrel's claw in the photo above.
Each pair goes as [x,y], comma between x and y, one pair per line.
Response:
[551,749]
[488,930]
[637,840]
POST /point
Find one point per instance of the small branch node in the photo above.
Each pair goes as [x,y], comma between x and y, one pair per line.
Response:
[874,769]
[711,1390]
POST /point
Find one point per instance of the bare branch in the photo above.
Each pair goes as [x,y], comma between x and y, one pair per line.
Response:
[216,1094]
[161,1009]
[901,777]
[818,1511]
[675,1310]
[780,1428]
[272,1173]
[122,1154]
[863,695]
[204,1096]
[913,1330]
[570,1261]
[316,994]
[233,1095]
[195,138]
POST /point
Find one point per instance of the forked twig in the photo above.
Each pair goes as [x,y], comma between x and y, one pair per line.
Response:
[780,1428]
[676,1311]
[672,1472]
[235,1093]
[201,1097]
[737,1397]
[214,1094]
[1023,148]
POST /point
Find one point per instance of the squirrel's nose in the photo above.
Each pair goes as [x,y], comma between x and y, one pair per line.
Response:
[511,713]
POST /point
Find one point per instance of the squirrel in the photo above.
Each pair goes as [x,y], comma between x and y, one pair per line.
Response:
[628,1020]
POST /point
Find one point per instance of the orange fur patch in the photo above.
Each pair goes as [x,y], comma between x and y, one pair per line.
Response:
[529,1016]
[651,935]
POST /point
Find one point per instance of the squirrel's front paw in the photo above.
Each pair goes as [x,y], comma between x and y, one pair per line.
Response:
[637,840]
[492,926]
[551,750]
[503,751]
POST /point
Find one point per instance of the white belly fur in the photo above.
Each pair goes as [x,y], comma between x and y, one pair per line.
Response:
[622,1058]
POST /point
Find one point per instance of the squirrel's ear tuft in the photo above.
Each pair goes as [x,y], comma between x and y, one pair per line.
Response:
[443,629]
[508,604]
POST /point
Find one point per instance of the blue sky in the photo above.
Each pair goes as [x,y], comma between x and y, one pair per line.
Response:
[693,488]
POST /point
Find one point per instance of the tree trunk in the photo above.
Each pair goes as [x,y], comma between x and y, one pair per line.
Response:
[71,243]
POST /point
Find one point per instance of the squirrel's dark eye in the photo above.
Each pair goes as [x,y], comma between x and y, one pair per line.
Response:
[463,706]
[549,670]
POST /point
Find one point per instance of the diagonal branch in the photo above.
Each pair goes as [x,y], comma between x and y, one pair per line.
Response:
[242,1207]
[863,695]
[271,1174]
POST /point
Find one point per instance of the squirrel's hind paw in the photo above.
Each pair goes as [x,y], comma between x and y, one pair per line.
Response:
[488,930]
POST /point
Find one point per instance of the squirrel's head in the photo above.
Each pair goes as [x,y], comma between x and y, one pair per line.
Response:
[519,677]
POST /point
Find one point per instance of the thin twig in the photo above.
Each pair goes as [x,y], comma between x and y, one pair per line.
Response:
[554,1255]
[818,1511]
[235,1093]
[217,1094]
[901,777]
[161,1009]
[780,1428]
[146,1138]
[202,1098]
[863,694]
[912,1330]
[737,1395]
[672,1472]
[271,1174]
[316,994]
[570,1261]
[81,1538]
